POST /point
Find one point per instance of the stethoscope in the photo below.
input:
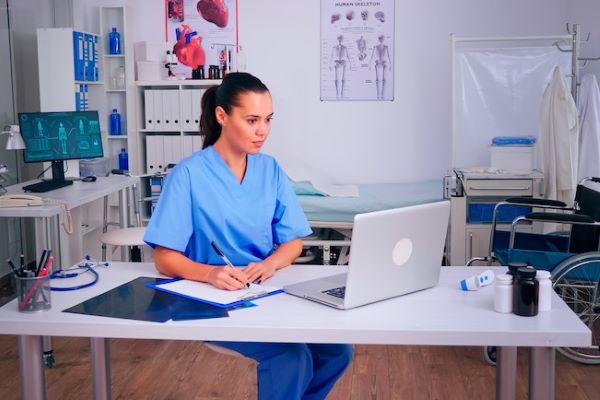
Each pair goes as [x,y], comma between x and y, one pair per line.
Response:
[86,265]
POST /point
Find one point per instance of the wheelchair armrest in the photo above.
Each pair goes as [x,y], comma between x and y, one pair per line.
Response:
[530,201]
[560,218]
[581,219]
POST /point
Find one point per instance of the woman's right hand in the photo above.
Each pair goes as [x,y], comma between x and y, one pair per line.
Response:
[228,278]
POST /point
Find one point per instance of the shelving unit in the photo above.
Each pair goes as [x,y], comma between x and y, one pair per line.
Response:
[115,96]
[174,138]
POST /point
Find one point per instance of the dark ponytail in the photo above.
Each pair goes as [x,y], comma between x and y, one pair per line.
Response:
[225,95]
[209,127]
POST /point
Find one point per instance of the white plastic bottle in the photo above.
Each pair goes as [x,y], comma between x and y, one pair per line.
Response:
[503,293]
[545,291]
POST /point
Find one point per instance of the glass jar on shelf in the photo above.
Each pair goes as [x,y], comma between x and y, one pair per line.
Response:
[118,78]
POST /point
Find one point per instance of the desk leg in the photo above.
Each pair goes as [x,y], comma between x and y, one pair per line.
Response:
[541,373]
[506,373]
[99,348]
[31,368]
[123,212]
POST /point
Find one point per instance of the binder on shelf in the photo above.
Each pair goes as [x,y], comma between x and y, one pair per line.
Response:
[154,154]
[149,109]
[191,144]
[175,110]
[187,142]
[159,123]
[207,293]
[187,120]
[78,52]
[196,97]
[89,56]
[196,143]
[172,151]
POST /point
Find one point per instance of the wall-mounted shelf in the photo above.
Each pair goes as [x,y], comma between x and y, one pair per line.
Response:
[183,82]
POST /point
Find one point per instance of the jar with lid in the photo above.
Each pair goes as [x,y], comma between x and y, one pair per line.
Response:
[525,293]
[513,266]
[545,290]
[118,78]
[503,293]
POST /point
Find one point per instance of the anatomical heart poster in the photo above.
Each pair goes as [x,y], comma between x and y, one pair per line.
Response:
[357,50]
[202,33]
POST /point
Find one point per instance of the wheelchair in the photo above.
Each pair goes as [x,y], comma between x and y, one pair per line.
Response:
[572,258]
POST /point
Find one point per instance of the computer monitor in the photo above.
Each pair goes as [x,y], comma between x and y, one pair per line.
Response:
[59,136]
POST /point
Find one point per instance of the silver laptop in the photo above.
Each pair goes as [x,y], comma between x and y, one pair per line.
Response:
[393,252]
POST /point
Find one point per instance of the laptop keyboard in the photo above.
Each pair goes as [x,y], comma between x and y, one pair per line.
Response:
[339,292]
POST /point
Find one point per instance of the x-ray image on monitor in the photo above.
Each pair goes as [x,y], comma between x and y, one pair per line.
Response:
[54,136]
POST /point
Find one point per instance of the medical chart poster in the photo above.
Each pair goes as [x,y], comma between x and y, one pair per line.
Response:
[202,32]
[357,50]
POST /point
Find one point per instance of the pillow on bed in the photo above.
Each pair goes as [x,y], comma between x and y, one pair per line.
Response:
[305,188]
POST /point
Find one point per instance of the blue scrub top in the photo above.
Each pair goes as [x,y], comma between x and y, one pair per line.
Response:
[202,201]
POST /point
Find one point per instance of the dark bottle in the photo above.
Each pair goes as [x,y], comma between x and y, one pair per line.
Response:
[513,266]
[525,292]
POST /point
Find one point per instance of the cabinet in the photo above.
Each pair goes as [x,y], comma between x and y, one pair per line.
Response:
[168,117]
[473,196]
[62,84]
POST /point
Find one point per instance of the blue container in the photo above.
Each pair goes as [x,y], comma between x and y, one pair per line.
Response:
[123,160]
[482,213]
[115,122]
[114,42]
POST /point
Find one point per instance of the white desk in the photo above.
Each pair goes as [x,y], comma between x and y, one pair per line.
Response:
[69,247]
[442,315]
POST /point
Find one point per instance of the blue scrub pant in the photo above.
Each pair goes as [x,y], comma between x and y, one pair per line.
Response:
[290,371]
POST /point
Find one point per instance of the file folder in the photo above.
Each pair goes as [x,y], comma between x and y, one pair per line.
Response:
[175,111]
[187,146]
[154,154]
[149,109]
[187,121]
[196,98]
[172,150]
[78,56]
[159,122]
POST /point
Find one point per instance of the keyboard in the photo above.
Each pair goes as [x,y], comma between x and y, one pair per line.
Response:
[339,292]
[46,186]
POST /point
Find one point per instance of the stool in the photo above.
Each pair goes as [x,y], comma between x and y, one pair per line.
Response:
[129,237]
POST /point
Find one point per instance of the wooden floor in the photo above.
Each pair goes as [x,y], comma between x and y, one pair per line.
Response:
[152,369]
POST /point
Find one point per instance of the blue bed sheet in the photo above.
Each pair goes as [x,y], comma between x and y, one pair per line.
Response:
[372,197]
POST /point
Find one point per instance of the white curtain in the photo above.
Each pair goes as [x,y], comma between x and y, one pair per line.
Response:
[498,92]
[589,125]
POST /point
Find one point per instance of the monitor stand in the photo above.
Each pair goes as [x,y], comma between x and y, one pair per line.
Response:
[58,180]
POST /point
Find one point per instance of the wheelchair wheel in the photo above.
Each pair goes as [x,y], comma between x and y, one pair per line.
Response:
[489,354]
[577,282]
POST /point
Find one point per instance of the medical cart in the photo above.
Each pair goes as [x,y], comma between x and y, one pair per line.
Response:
[473,195]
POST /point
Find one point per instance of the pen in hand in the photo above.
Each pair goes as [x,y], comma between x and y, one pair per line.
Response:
[224,257]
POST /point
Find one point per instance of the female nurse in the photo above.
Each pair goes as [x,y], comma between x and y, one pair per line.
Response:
[232,194]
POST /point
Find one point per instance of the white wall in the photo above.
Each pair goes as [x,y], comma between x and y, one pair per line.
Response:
[404,140]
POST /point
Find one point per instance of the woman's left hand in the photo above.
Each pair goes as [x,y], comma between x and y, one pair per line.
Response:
[258,272]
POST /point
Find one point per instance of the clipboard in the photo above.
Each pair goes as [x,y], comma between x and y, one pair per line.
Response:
[209,294]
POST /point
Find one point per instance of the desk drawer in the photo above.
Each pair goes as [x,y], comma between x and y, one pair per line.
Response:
[499,187]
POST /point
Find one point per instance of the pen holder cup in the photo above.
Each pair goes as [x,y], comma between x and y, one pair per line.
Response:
[33,294]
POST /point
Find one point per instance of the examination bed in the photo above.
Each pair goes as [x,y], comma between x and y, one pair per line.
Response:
[331,217]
